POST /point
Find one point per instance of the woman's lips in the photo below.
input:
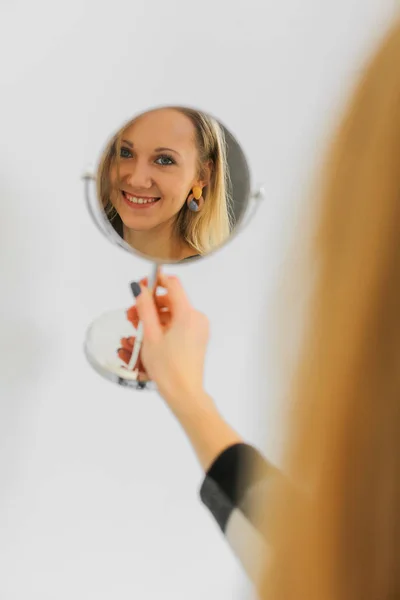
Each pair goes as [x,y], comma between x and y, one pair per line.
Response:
[147,201]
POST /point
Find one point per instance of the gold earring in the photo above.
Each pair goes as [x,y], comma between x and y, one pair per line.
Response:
[197,192]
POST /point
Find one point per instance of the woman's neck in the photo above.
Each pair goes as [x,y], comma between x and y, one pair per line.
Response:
[159,243]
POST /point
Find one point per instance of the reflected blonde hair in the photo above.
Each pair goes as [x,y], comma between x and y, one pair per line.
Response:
[209,228]
[341,541]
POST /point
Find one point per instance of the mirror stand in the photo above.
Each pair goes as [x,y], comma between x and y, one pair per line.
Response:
[116,198]
[102,341]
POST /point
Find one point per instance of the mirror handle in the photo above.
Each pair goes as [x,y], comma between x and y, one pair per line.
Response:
[152,286]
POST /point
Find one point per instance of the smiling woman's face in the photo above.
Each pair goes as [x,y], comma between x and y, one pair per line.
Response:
[158,166]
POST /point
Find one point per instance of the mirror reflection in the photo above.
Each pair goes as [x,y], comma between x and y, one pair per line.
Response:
[173,183]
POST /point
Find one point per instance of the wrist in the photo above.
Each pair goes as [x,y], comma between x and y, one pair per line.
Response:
[192,405]
[206,429]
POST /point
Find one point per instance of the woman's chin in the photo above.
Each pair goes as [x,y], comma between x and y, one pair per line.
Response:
[139,223]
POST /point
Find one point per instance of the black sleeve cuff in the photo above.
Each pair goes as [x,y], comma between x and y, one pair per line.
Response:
[226,482]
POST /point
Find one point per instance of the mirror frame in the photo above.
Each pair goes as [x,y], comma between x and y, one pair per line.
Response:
[105,227]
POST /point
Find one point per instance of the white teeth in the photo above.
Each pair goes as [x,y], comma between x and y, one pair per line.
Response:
[136,200]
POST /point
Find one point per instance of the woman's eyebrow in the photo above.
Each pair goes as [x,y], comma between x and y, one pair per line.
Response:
[130,144]
[166,150]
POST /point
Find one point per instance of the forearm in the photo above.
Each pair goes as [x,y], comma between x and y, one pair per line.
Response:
[237,478]
[207,431]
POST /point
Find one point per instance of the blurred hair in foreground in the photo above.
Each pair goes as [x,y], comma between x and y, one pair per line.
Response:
[342,540]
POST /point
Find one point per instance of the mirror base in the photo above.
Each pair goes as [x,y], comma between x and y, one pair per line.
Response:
[100,348]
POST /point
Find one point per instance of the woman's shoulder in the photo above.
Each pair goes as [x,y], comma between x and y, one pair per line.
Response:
[193,257]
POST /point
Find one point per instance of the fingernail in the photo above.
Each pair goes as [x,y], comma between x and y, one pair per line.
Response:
[136,289]
[118,349]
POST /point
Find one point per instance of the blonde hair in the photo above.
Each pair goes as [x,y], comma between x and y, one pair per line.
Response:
[209,228]
[341,540]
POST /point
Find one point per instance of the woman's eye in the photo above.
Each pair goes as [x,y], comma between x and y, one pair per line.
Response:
[125,153]
[165,161]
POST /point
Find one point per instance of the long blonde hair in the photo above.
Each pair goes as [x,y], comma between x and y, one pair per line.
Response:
[209,228]
[339,538]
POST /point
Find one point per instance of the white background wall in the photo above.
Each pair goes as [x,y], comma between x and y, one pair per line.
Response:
[98,486]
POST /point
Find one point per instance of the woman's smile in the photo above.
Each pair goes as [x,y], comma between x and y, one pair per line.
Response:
[138,202]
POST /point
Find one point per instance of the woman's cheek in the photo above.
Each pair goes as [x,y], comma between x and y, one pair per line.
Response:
[113,173]
[114,196]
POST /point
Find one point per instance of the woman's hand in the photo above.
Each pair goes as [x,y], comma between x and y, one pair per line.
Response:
[127,343]
[175,341]
[173,354]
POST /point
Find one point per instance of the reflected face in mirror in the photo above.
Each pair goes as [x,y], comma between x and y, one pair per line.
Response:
[157,169]
[164,184]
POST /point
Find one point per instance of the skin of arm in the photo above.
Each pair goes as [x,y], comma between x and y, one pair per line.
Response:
[207,431]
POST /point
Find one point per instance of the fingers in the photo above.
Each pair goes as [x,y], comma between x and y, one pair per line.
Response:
[162,303]
[132,316]
[164,317]
[164,314]
[127,343]
[156,312]
[179,303]
[124,355]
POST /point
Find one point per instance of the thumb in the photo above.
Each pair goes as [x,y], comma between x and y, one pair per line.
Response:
[147,312]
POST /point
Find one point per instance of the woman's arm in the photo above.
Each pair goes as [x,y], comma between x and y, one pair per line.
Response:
[207,431]
[237,480]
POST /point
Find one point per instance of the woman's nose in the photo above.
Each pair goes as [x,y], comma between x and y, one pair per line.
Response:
[138,176]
